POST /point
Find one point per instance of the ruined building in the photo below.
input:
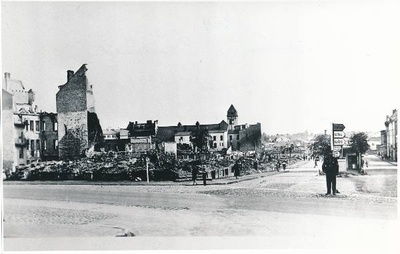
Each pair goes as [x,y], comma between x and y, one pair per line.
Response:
[243,137]
[78,125]
[48,136]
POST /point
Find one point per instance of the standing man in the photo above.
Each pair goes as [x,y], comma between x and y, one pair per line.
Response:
[195,171]
[316,161]
[236,168]
[330,167]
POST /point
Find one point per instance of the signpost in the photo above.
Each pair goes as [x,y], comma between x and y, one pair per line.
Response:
[338,142]
[147,170]
[337,138]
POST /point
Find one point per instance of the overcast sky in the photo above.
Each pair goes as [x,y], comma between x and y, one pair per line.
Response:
[292,66]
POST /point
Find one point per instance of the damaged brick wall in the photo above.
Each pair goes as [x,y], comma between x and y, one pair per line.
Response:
[95,133]
[250,138]
[72,125]
[72,115]
[72,96]
[48,134]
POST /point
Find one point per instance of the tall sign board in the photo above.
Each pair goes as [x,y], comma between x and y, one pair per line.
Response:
[337,138]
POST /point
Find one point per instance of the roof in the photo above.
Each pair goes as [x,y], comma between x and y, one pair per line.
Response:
[81,71]
[109,131]
[142,129]
[13,85]
[232,111]
[183,133]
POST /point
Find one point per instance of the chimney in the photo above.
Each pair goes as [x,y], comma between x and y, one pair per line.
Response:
[69,74]
[7,75]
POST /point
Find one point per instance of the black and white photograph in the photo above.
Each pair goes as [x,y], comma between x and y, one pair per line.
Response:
[225,126]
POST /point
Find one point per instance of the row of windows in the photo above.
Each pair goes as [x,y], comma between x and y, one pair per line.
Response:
[55,126]
[32,146]
[34,126]
[35,144]
[31,126]
[220,144]
[231,138]
[55,145]
[221,137]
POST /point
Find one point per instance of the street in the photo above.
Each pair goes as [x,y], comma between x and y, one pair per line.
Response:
[278,205]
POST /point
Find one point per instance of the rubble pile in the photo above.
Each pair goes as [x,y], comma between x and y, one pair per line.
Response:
[116,166]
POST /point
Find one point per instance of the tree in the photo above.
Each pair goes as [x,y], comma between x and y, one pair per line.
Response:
[320,145]
[200,138]
[359,144]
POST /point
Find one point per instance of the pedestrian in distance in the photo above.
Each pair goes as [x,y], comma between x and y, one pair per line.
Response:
[316,161]
[204,174]
[278,165]
[330,167]
[284,165]
[236,168]
[255,164]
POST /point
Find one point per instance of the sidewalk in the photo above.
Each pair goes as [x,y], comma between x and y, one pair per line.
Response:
[220,181]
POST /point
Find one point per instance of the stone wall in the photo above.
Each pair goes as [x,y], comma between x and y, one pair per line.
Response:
[72,134]
[72,96]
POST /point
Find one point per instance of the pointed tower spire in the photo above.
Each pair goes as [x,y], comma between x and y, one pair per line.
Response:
[232,117]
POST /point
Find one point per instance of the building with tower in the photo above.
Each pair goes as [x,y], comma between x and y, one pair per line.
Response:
[232,117]
[242,137]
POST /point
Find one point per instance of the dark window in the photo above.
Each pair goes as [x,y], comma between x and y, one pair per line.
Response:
[27,125]
[237,137]
[37,126]
[221,137]
[230,137]
[31,125]
[32,145]
[21,153]
[37,144]
[215,145]
[214,138]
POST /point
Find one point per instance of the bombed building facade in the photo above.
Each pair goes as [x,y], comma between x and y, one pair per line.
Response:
[78,125]
[48,136]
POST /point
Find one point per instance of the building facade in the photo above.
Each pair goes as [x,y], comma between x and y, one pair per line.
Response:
[391,136]
[242,137]
[21,124]
[49,136]
[78,126]
[111,138]
[141,136]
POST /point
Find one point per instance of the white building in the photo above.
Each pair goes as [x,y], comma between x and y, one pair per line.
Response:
[21,125]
